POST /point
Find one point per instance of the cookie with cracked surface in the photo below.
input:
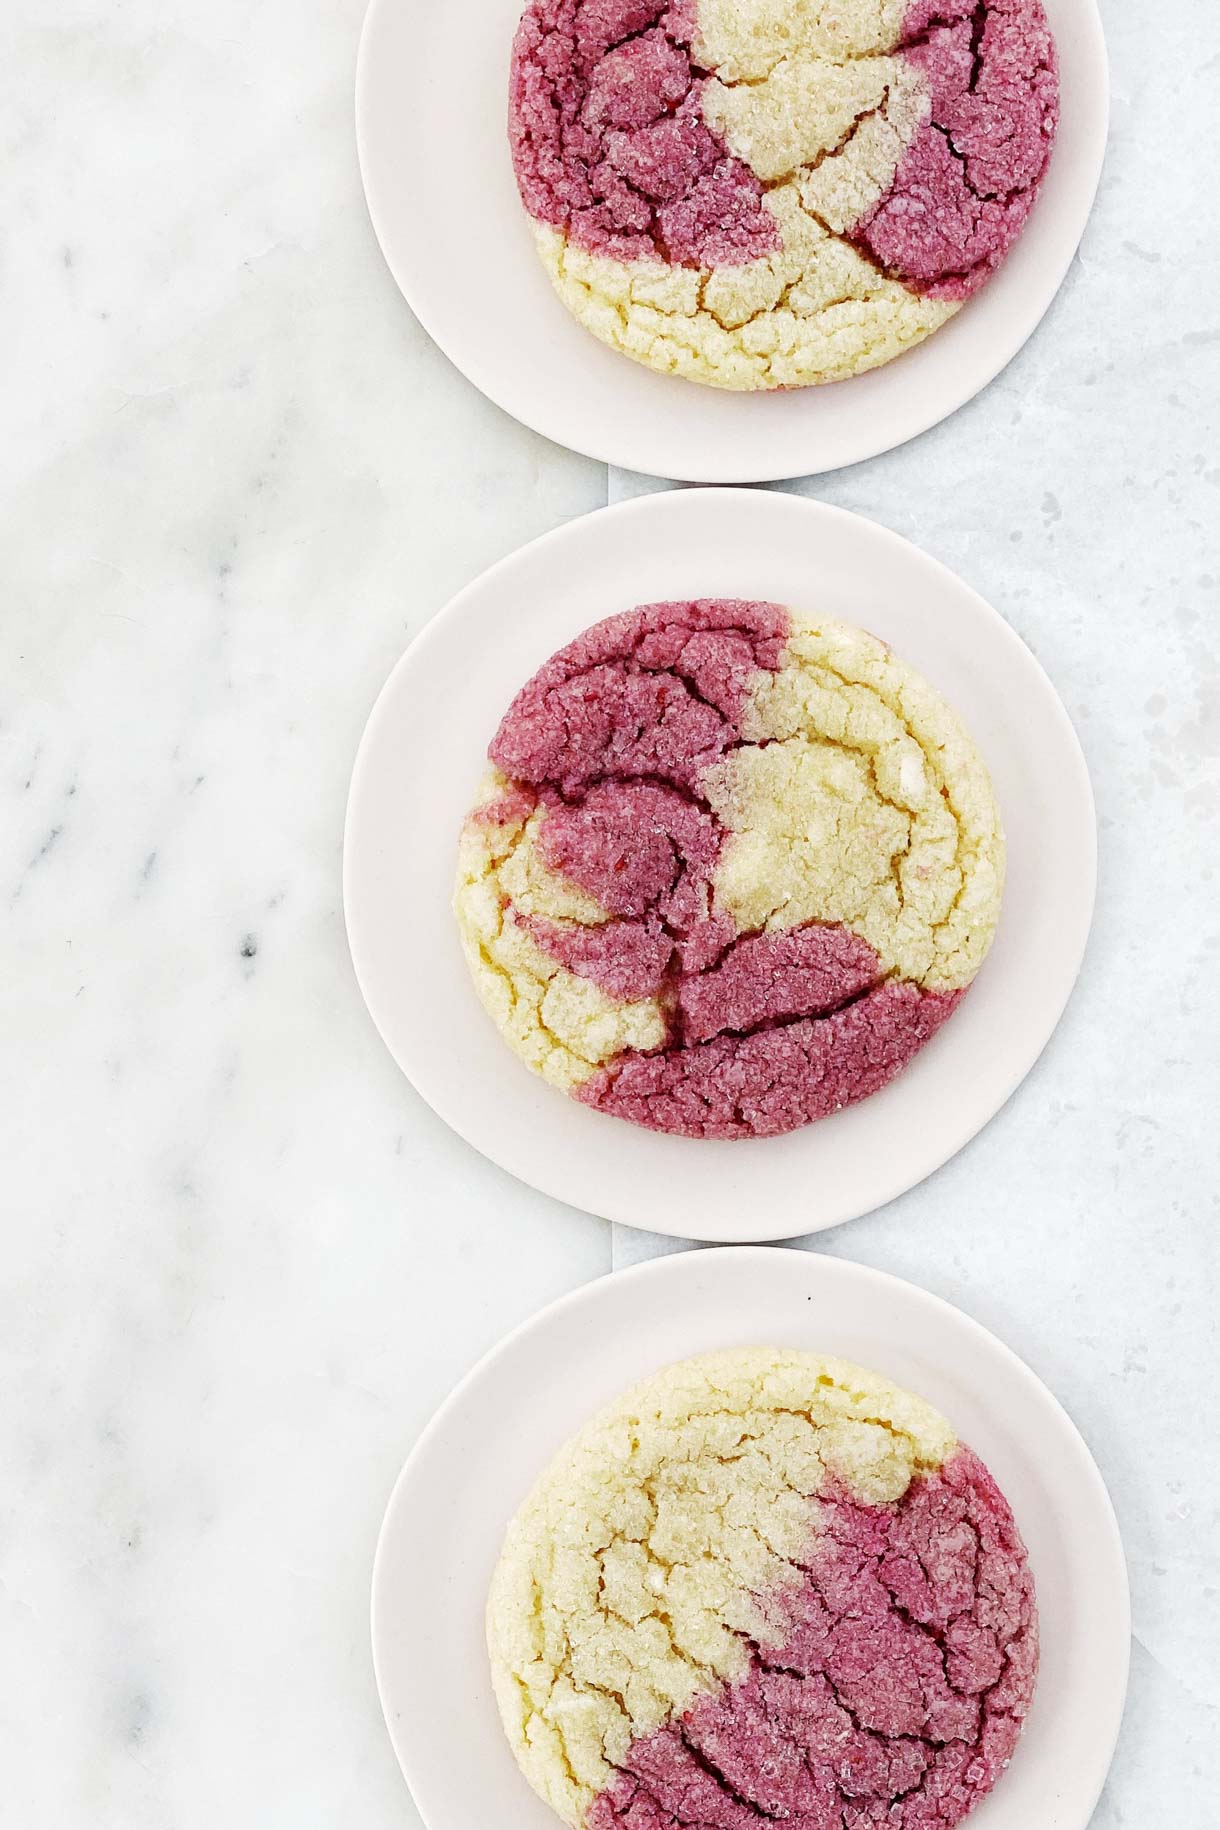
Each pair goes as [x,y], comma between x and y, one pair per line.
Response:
[776,193]
[733,866]
[763,1585]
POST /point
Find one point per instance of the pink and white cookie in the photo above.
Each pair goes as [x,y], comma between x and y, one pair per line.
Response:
[764,1586]
[777,193]
[733,866]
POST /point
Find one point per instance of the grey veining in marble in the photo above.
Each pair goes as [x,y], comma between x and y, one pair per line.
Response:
[243,1263]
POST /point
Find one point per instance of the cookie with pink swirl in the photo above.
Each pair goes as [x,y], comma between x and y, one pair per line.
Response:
[732,868]
[777,193]
[764,1586]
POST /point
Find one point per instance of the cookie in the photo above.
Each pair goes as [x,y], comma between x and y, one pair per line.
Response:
[777,193]
[763,1585]
[733,866]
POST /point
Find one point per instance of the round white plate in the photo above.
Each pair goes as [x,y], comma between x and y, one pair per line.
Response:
[423,752]
[431,112]
[480,1455]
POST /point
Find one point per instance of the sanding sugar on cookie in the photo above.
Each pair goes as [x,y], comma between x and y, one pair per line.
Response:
[732,867]
[764,1586]
[776,193]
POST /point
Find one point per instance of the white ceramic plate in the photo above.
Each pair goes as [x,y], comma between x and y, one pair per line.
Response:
[423,752]
[482,1452]
[431,111]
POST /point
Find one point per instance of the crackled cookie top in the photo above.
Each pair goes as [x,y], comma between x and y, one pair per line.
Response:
[732,867]
[763,1585]
[774,193]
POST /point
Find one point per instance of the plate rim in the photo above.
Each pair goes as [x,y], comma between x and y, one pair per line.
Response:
[665,505]
[680,1264]
[603,448]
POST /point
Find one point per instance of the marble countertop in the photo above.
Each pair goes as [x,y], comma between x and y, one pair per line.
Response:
[243,1262]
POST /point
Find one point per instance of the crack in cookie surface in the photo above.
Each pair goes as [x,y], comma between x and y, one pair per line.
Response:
[754,195]
[763,1584]
[734,867]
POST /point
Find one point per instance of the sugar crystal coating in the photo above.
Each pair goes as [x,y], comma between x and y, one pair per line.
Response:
[757,195]
[763,1585]
[733,868]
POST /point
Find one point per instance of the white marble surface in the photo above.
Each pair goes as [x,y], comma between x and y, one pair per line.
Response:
[242,1262]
